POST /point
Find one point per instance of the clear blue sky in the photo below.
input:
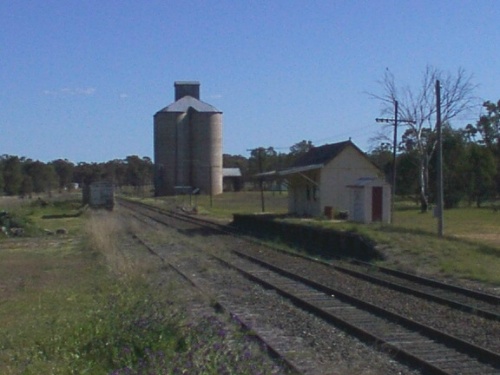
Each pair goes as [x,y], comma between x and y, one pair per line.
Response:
[82,79]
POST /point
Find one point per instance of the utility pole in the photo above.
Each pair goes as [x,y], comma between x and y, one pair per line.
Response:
[439,203]
[260,149]
[261,182]
[394,151]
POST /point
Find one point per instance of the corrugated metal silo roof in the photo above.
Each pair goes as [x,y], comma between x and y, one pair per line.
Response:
[187,102]
[186,83]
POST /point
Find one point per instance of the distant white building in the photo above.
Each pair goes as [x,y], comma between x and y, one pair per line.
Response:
[338,177]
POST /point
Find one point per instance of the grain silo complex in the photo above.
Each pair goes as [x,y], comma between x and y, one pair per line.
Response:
[188,144]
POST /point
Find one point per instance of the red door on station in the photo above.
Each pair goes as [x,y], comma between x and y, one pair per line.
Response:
[377,203]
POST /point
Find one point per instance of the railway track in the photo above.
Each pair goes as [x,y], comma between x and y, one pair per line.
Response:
[239,316]
[424,347]
[474,302]
[482,304]
[428,348]
[271,339]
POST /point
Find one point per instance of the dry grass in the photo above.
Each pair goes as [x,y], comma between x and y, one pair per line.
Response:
[10,203]
[102,229]
[105,232]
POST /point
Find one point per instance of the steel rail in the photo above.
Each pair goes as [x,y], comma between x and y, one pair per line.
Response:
[430,295]
[220,306]
[404,355]
[481,353]
[472,309]
[463,346]
[430,282]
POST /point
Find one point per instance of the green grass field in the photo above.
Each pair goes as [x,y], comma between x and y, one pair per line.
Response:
[76,303]
[223,206]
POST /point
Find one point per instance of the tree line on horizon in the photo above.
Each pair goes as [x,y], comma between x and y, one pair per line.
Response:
[21,176]
[471,159]
[471,155]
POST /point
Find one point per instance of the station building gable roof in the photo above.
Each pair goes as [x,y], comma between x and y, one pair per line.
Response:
[318,157]
[322,154]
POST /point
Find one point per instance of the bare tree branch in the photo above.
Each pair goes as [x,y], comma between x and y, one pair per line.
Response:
[418,108]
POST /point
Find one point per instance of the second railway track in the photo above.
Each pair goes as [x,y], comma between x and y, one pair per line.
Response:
[425,347]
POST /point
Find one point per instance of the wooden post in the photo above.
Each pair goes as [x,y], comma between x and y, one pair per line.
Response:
[439,203]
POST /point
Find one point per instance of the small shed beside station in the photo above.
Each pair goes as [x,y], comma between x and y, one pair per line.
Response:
[370,200]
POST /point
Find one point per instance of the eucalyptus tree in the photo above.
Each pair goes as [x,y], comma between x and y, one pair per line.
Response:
[139,171]
[64,170]
[481,171]
[12,174]
[417,107]
[300,148]
[488,126]
[26,190]
[43,176]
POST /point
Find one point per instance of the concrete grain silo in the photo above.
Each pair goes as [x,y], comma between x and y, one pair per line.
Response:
[188,144]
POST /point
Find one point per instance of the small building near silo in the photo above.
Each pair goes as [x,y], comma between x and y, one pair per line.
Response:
[188,143]
[332,179]
[232,179]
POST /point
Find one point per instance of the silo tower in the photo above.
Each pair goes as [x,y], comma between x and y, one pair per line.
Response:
[188,144]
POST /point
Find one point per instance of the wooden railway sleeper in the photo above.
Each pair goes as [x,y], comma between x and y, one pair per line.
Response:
[300,279]
[361,332]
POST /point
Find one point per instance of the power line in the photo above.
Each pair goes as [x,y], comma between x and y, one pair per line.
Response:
[349,133]
[333,137]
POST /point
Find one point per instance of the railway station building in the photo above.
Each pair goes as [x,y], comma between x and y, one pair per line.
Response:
[338,178]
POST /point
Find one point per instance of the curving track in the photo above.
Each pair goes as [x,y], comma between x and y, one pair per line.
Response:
[310,285]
